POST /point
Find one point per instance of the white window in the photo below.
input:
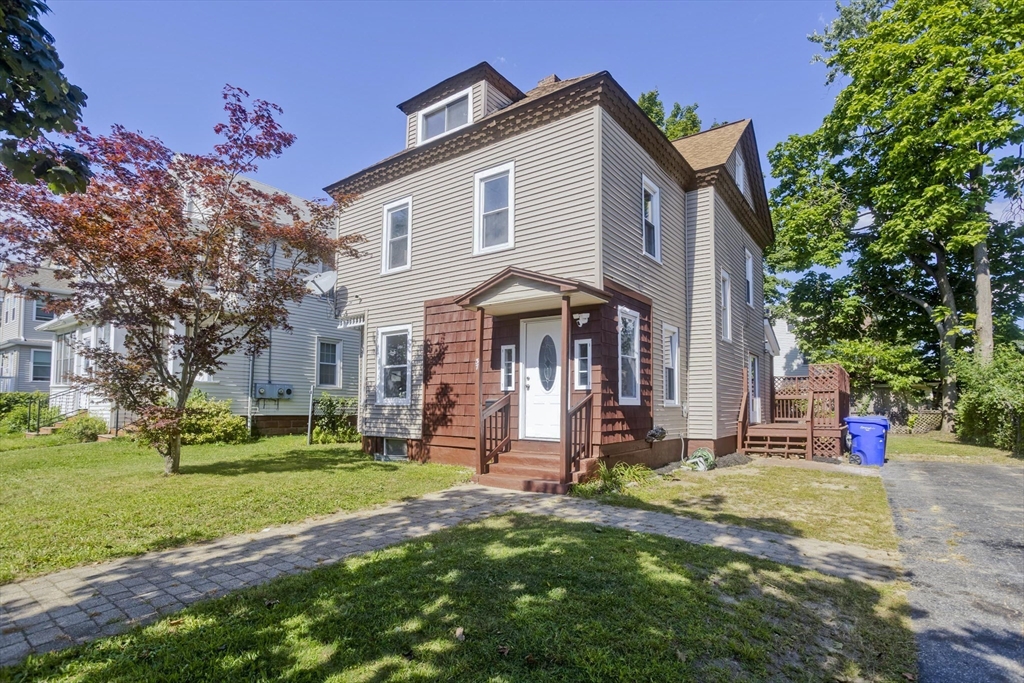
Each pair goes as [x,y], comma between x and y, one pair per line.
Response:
[328,363]
[393,365]
[396,449]
[40,365]
[582,357]
[629,357]
[651,219]
[446,116]
[494,218]
[65,357]
[508,368]
[740,173]
[10,308]
[725,303]
[41,312]
[750,278]
[397,248]
[671,342]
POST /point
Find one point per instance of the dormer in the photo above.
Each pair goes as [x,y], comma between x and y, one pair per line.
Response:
[456,102]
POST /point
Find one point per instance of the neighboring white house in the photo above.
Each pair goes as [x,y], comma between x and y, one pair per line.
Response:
[789,361]
[25,351]
[273,388]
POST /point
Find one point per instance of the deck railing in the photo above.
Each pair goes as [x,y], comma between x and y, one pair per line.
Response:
[827,385]
[581,436]
[495,432]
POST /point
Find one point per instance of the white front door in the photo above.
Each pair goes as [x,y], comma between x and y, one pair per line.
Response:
[754,390]
[542,379]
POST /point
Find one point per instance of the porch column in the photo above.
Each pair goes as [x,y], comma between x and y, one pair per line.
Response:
[479,391]
[563,438]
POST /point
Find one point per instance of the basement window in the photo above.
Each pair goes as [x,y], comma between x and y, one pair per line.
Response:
[396,449]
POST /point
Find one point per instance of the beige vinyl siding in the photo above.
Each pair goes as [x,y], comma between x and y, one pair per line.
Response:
[555,233]
[411,129]
[730,241]
[479,100]
[624,163]
[494,100]
[701,328]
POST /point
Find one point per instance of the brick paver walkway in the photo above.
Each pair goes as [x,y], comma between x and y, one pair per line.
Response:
[81,604]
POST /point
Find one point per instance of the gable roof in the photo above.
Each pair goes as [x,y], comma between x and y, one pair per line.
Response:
[459,82]
[711,147]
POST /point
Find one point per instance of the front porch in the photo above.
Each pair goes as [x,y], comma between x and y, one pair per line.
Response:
[521,380]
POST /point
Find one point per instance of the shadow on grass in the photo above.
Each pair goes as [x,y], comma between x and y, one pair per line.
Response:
[295,460]
[537,599]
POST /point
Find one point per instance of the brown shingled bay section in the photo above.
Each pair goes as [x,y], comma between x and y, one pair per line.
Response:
[459,82]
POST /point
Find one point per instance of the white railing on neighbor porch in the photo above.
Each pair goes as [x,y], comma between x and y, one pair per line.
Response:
[6,384]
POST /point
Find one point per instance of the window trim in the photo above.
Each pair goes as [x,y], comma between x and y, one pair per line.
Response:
[35,312]
[648,185]
[577,384]
[672,332]
[739,173]
[339,349]
[384,448]
[629,400]
[478,205]
[421,116]
[725,305]
[32,365]
[749,265]
[511,385]
[381,333]
[386,237]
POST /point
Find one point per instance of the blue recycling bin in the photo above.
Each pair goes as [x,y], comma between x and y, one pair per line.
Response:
[867,434]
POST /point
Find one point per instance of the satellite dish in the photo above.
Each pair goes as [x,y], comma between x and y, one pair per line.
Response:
[322,283]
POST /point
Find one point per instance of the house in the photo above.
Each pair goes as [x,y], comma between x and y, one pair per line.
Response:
[548,278]
[25,355]
[272,389]
[790,361]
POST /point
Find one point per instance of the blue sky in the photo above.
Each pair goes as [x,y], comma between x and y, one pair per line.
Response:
[338,69]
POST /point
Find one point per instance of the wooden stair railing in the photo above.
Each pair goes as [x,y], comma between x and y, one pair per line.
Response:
[744,418]
[580,440]
[495,435]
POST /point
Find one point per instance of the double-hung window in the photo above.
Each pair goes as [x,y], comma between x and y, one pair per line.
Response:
[397,247]
[725,304]
[671,341]
[40,365]
[393,365]
[582,357]
[740,173]
[651,219]
[629,357]
[328,366]
[446,116]
[750,278]
[494,219]
[508,368]
[41,312]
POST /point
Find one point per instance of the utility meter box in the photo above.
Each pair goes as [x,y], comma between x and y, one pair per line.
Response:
[272,390]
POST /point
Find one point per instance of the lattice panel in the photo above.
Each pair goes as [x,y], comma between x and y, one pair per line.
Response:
[827,446]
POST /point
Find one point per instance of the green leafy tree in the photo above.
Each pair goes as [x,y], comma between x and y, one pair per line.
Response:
[899,176]
[680,122]
[36,98]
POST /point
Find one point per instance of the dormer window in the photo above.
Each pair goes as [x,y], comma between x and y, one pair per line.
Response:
[446,116]
[740,173]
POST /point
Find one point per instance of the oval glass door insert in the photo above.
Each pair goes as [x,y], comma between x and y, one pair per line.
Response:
[547,362]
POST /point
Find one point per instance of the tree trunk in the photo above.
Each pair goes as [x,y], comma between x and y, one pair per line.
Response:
[947,344]
[983,304]
[172,460]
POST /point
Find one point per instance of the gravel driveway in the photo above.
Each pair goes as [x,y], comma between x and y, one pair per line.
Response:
[961,531]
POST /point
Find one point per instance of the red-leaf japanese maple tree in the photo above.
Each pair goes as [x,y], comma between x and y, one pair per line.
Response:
[179,251]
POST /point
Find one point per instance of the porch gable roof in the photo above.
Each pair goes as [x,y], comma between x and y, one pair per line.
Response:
[515,290]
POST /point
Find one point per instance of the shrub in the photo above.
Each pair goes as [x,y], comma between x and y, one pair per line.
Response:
[207,420]
[82,428]
[990,411]
[333,423]
[17,419]
[613,480]
[12,399]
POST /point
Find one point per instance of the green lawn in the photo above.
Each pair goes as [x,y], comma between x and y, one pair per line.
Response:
[67,505]
[536,599]
[937,446]
[830,506]
[17,442]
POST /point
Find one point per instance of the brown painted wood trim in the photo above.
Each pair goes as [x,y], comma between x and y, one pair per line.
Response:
[621,289]
[478,410]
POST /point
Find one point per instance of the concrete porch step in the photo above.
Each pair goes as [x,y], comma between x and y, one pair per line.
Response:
[513,483]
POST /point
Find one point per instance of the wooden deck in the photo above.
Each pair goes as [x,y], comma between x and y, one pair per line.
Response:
[807,416]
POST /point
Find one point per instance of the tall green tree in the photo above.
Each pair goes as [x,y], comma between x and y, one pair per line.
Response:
[920,142]
[680,122]
[35,99]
